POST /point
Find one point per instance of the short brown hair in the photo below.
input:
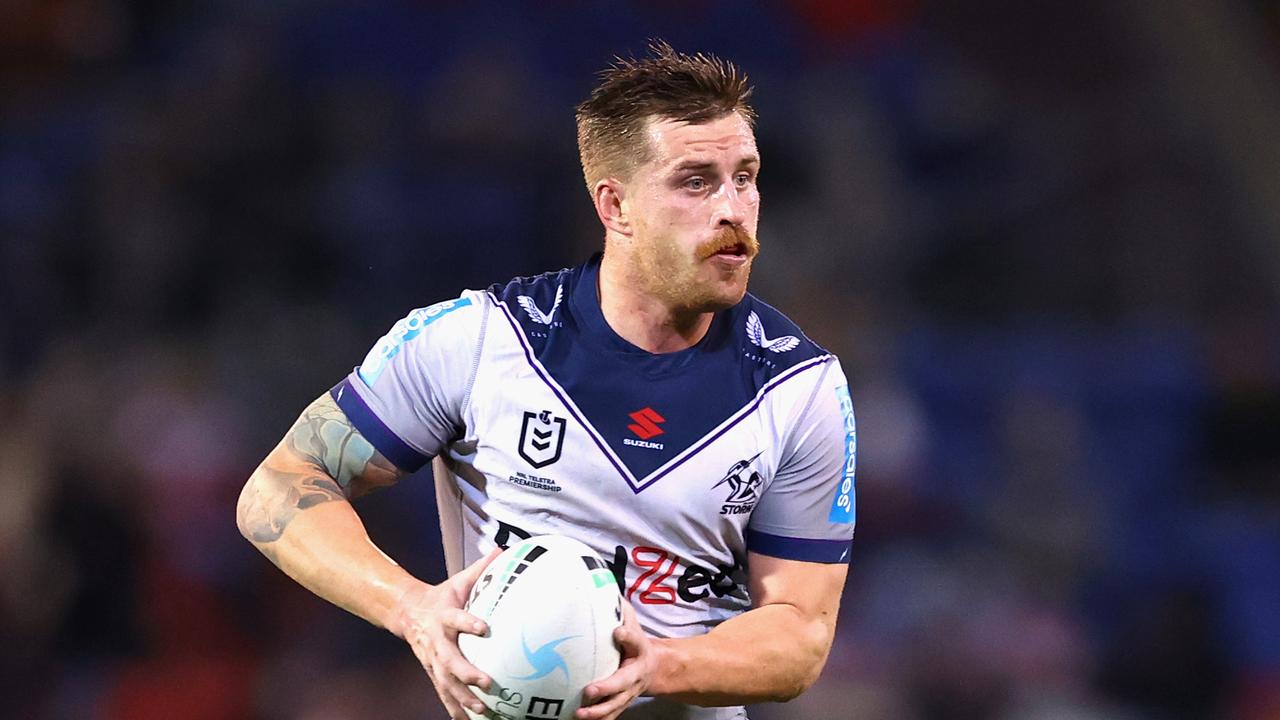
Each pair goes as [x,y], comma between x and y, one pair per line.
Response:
[666,84]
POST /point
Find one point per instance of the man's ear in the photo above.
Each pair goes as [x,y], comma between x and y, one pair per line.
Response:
[610,197]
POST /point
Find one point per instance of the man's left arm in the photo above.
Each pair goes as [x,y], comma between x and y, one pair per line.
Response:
[798,545]
[771,653]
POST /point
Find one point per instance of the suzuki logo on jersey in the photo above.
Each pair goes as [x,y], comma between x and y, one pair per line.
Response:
[541,438]
[755,331]
[743,487]
[646,423]
[646,428]
[535,313]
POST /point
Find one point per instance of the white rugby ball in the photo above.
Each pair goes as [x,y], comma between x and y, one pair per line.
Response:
[552,605]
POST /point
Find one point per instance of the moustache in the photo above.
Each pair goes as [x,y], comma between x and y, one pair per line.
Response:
[730,237]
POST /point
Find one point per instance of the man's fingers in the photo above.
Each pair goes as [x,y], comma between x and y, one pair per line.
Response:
[450,674]
[622,679]
[629,617]
[453,694]
[468,577]
[432,630]
[458,694]
[629,640]
[467,673]
[451,705]
[466,698]
[425,656]
[607,698]
[451,665]
[629,636]
[608,708]
[461,621]
[447,656]
[429,663]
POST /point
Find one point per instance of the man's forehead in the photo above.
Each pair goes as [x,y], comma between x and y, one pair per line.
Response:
[675,140]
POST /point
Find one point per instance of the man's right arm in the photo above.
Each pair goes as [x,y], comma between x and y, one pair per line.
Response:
[295,508]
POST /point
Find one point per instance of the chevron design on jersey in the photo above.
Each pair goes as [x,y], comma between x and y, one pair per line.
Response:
[648,414]
[755,331]
[535,313]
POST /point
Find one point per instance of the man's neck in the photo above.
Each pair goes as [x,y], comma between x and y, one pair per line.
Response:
[643,319]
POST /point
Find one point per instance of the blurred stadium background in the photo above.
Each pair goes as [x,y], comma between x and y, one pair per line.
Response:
[1044,237]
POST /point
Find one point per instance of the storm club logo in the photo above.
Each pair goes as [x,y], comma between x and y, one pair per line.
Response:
[744,487]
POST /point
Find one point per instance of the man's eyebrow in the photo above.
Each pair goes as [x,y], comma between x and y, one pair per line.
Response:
[694,165]
[708,165]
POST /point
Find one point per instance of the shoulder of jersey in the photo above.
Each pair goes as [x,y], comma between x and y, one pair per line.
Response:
[534,301]
[768,337]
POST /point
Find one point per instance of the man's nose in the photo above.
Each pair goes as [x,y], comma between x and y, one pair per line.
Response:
[730,206]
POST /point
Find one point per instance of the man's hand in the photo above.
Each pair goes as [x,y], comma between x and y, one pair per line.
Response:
[430,618]
[610,696]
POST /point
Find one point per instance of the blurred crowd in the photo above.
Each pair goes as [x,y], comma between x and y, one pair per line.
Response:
[1043,239]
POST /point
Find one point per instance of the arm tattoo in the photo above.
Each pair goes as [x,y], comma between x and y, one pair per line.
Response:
[336,463]
[325,436]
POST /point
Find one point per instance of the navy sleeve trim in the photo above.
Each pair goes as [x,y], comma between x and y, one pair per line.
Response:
[789,548]
[374,430]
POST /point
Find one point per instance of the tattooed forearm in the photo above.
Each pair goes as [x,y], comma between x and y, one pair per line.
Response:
[274,497]
[323,458]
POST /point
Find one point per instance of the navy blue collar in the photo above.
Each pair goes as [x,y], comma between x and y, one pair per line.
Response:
[584,303]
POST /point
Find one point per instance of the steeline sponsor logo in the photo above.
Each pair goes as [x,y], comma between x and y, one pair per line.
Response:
[843,508]
[661,576]
[406,329]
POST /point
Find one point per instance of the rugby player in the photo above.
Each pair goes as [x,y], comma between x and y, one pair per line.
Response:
[641,402]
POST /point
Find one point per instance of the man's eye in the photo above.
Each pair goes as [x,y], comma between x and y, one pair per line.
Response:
[742,179]
[696,183]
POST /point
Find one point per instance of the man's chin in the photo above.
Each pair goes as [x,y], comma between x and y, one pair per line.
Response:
[721,298]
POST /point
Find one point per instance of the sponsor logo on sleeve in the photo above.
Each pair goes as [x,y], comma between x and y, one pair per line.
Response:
[843,508]
[406,329]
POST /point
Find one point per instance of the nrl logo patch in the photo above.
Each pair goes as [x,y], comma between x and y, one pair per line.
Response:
[535,313]
[541,438]
[755,331]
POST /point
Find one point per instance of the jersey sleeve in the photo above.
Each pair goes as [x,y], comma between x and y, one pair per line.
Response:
[407,396]
[808,511]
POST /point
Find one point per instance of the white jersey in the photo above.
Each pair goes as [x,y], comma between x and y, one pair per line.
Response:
[672,467]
